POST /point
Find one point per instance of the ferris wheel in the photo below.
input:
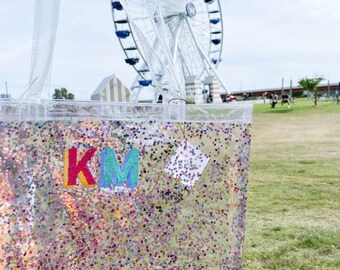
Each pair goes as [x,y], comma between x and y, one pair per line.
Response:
[168,41]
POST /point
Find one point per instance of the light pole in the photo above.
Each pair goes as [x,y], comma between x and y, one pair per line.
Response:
[6,90]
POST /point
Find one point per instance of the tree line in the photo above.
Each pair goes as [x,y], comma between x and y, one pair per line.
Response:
[62,93]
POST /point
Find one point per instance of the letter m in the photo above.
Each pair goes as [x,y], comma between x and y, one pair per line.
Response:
[111,173]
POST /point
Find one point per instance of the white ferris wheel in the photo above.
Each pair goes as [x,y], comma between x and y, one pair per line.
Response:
[168,41]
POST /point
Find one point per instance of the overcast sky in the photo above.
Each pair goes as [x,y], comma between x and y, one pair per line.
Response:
[264,41]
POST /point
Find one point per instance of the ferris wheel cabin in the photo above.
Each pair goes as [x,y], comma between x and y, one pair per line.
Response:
[117,5]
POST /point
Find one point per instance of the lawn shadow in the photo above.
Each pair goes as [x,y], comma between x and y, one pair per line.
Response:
[280,110]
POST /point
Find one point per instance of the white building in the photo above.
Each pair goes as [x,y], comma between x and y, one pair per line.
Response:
[113,90]
[207,91]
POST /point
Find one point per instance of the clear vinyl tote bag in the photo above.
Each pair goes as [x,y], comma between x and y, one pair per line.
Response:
[88,185]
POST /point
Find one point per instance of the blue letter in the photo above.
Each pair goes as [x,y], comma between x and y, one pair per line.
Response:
[112,174]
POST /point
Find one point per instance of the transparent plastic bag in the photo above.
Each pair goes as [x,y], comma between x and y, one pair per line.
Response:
[160,222]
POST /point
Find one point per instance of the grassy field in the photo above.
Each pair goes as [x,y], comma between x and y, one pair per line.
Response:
[293,219]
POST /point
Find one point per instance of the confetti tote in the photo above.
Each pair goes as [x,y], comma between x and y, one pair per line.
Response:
[86,188]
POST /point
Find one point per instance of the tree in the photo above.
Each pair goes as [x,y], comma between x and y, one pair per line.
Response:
[62,93]
[311,84]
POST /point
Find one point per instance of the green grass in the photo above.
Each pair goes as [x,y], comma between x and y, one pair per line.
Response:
[301,106]
[293,219]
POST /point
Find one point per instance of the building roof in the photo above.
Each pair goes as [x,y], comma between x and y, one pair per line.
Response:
[209,79]
[102,84]
[190,79]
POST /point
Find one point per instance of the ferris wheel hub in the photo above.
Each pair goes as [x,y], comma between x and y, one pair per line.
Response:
[190,9]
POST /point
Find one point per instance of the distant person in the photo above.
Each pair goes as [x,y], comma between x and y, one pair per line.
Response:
[246,96]
[264,97]
[285,96]
[285,99]
[274,99]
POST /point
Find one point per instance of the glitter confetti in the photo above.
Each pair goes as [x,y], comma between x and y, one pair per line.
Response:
[158,222]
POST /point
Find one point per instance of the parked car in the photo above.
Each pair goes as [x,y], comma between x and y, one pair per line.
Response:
[230,98]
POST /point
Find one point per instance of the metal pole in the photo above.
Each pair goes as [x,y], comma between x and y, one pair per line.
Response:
[291,89]
[283,83]
[6,90]
[329,90]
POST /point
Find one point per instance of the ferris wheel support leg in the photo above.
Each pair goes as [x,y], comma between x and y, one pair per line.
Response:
[46,16]
[136,95]
[206,59]
[134,91]
[175,47]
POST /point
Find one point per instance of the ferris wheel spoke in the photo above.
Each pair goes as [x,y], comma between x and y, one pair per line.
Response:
[184,66]
[188,59]
[140,18]
[201,12]
[201,34]
[200,23]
